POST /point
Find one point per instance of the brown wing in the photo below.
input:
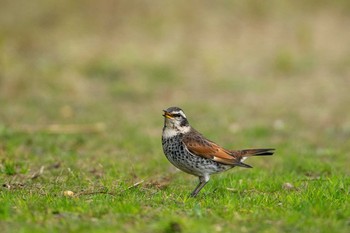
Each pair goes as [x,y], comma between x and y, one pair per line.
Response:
[200,146]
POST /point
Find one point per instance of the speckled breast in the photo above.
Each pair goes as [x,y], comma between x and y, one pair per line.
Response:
[181,158]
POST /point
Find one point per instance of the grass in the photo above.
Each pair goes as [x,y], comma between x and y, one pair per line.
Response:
[83,85]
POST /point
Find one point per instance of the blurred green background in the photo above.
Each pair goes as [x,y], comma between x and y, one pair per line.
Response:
[83,84]
[127,60]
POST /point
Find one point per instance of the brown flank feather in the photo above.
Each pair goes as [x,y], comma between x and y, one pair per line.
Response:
[198,145]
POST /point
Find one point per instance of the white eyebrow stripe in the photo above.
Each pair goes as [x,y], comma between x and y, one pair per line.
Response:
[179,112]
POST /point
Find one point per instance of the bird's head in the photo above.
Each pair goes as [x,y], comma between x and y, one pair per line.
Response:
[175,118]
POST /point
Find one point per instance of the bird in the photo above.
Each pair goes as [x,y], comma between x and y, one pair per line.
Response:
[191,152]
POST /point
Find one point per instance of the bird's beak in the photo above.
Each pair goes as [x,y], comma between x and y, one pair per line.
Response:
[167,115]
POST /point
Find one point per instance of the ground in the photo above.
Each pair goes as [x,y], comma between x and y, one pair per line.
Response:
[82,89]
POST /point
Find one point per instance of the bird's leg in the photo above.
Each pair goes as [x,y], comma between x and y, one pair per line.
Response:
[203,180]
[197,189]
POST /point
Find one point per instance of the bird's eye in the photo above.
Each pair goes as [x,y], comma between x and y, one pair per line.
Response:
[176,115]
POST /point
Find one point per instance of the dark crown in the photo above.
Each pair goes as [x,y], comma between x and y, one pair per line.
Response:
[173,109]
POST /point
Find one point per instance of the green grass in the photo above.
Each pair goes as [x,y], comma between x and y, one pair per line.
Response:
[83,85]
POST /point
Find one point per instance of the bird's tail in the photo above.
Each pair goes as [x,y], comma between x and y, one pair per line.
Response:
[257,152]
[243,154]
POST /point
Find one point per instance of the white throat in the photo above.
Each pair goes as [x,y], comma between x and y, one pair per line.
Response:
[169,132]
